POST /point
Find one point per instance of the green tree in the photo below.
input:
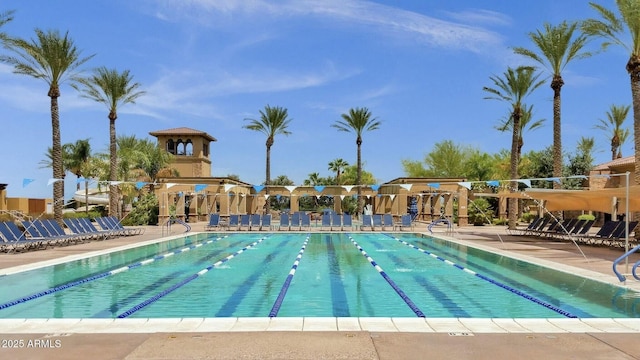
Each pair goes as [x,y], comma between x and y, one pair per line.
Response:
[113,89]
[613,127]
[623,31]
[556,47]
[513,88]
[77,154]
[54,59]
[358,120]
[273,121]
[337,166]
[447,159]
[580,164]
[526,123]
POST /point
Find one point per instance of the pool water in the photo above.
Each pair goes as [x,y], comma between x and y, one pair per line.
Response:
[313,275]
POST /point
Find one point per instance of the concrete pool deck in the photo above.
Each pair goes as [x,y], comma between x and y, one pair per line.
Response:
[334,338]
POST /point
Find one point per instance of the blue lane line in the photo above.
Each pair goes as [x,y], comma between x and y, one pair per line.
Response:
[105,274]
[154,298]
[495,282]
[395,287]
[278,303]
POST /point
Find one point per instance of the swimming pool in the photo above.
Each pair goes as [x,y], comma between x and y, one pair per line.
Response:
[307,275]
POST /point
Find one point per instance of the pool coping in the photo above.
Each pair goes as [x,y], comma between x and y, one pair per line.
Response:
[452,326]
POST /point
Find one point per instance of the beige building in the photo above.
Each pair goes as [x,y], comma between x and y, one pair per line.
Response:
[195,193]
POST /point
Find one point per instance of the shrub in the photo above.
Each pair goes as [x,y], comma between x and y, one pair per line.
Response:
[144,212]
[480,212]
[586,217]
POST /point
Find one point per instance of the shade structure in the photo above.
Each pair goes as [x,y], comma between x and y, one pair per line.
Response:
[603,200]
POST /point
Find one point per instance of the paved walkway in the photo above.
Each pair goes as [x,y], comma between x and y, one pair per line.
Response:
[331,338]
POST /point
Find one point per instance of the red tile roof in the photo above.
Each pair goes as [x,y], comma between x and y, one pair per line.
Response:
[624,161]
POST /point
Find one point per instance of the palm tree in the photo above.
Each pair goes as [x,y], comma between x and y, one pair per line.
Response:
[114,89]
[555,48]
[338,166]
[514,87]
[77,154]
[54,59]
[357,121]
[613,30]
[273,121]
[525,123]
[5,17]
[613,126]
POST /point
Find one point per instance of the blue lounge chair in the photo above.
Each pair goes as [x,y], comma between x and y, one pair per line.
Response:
[305,221]
[234,222]
[284,221]
[105,225]
[15,239]
[214,222]
[55,228]
[295,221]
[255,222]
[603,234]
[78,229]
[347,222]
[366,222]
[387,221]
[90,228]
[325,221]
[377,221]
[405,222]
[265,220]
[37,230]
[117,225]
[336,222]
[245,222]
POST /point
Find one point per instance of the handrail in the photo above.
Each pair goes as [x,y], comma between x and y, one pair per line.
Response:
[624,256]
[174,220]
[437,221]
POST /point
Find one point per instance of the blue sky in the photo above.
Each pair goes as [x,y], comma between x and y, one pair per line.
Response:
[419,66]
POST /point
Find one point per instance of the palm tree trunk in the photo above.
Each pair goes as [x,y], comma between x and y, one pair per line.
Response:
[359,175]
[113,167]
[556,85]
[56,150]
[633,67]
[268,178]
[513,186]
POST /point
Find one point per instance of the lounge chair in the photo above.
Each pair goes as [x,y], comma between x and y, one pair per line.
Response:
[305,221]
[214,222]
[55,228]
[405,222]
[89,227]
[284,222]
[522,231]
[105,225]
[295,221]
[15,239]
[79,229]
[618,236]
[366,222]
[265,221]
[254,222]
[37,230]
[377,221]
[347,222]
[387,221]
[234,222]
[603,234]
[336,222]
[245,222]
[117,225]
[325,221]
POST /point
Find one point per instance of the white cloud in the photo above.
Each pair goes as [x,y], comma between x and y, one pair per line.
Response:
[383,19]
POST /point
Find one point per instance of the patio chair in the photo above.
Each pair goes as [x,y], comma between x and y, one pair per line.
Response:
[295,221]
[336,222]
[618,236]
[387,221]
[522,231]
[214,222]
[347,222]
[90,228]
[325,221]
[37,230]
[284,222]
[405,222]
[305,221]
[55,228]
[255,222]
[234,222]
[603,234]
[367,221]
[15,239]
[377,221]
[265,220]
[117,225]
